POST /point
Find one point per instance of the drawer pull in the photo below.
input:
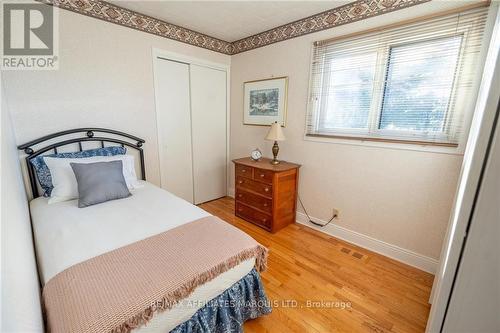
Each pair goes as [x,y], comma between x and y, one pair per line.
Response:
[266,189]
[264,220]
[262,175]
[243,170]
[240,209]
[240,195]
[240,182]
[265,204]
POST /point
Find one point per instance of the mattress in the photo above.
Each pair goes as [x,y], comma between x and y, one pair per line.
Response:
[66,235]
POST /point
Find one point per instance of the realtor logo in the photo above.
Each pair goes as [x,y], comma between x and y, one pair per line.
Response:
[29,39]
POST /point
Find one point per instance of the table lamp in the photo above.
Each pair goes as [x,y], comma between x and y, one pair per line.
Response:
[275,134]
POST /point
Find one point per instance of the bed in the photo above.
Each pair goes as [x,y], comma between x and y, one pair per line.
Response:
[67,236]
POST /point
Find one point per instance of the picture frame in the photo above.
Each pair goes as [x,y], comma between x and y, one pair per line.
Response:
[265,101]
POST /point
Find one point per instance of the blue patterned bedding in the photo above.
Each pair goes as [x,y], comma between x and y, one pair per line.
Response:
[227,312]
[43,173]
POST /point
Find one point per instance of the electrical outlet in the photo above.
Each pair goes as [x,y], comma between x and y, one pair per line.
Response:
[336,212]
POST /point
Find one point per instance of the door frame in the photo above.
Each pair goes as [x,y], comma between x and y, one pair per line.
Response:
[179,57]
[469,182]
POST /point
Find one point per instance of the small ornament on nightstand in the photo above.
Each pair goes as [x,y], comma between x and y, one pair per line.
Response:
[256,154]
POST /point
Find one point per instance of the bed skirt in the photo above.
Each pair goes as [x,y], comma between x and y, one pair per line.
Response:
[227,312]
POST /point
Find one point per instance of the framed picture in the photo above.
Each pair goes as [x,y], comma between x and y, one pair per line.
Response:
[265,101]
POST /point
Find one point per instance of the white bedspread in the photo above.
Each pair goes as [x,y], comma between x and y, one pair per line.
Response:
[66,235]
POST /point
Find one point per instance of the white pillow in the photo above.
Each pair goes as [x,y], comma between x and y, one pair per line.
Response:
[64,180]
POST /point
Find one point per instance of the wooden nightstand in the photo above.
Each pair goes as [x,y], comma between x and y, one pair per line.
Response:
[266,194]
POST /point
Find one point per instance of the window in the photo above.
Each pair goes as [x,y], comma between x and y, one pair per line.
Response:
[349,91]
[410,84]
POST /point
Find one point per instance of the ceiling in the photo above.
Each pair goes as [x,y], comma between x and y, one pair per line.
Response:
[229,20]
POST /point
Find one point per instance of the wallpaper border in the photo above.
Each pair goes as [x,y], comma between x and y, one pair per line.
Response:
[114,14]
[335,17]
[351,12]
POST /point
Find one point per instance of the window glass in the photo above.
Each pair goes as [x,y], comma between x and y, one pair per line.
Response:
[419,85]
[349,92]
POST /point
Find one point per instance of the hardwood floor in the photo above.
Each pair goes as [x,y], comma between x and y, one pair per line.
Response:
[306,265]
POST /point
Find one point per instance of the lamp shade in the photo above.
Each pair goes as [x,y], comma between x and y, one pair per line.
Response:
[275,133]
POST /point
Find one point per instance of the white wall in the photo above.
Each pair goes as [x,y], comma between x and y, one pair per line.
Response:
[105,79]
[20,299]
[400,197]
[475,299]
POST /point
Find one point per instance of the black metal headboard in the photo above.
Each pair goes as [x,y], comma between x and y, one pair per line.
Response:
[120,138]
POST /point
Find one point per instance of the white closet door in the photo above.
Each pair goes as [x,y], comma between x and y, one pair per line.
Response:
[209,132]
[174,127]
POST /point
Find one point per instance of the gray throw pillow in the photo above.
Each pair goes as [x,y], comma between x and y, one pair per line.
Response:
[99,182]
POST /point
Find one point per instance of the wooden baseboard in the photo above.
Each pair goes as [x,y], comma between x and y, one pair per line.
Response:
[408,257]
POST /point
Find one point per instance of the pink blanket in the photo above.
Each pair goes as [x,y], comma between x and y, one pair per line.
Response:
[122,289]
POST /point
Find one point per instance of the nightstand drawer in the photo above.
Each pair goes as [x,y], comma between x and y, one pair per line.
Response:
[261,175]
[255,201]
[257,187]
[243,171]
[253,215]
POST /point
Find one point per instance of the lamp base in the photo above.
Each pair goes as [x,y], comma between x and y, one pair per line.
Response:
[276,149]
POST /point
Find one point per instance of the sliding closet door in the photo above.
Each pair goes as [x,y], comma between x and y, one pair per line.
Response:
[174,127]
[209,132]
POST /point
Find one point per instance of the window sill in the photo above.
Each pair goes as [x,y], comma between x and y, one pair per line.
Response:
[440,148]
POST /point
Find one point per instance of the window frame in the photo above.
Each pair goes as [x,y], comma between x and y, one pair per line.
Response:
[446,138]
